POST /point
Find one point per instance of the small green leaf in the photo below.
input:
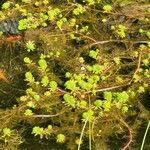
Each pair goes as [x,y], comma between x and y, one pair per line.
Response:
[85,85]
[23,98]
[29,77]
[60,138]
[93,79]
[45,81]
[48,130]
[82,104]
[124,109]
[136,77]
[30,45]
[28,112]
[43,64]
[6,5]
[38,131]
[71,85]
[106,105]
[27,60]
[89,68]
[108,96]
[23,24]
[98,103]
[53,13]
[107,8]
[97,68]
[117,60]
[79,77]
[148,34]
[72,22]
[141,31]
[122,97]
[141,89]
[88,116]
[146,62]
[81,60]
[36,97]
[6,132]
[93,54]
[31,104]
[60,23]
[121,31]
[69,100]
[53,85]
[79,10]
[68,75]
[47,93]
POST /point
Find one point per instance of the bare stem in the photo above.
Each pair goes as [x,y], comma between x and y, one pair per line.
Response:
[48,116]
[145,135]
[130,135]
[81,136]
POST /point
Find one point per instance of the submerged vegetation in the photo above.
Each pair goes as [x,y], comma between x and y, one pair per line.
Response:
[76,72]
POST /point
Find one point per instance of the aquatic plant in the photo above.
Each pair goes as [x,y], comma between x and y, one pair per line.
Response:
[86,63]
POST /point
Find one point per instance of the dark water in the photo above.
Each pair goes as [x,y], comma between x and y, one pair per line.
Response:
[42,146]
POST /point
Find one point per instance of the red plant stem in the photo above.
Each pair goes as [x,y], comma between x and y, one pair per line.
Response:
[130,136]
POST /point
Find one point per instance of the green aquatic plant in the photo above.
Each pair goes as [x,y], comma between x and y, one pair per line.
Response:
[93,54]
[120,30]
[23,24]
[53,85]
[42,64]
[42,132]
[88,116]
[6,5]
[107,8]
[28,112]
[85,66]
[29,77]
[6,132]
[53,13]
[10,138]
[78,10]
[30,45]
[77,88]
[69,100]
[60,138]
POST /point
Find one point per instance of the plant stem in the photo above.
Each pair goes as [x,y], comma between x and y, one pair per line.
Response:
[82,134]
[90,140]
[90,129]
[130,135]
[145,135]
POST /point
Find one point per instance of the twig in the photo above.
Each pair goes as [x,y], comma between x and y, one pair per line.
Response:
[140,42]
[103,42]
[48,116]
[108,88]
[87,37]
[113,40]
[61,90]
